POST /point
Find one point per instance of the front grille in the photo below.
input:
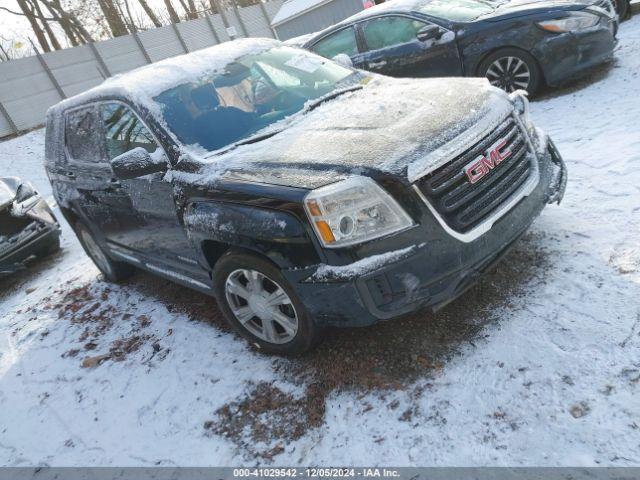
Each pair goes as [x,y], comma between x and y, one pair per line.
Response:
[10,225]
[464,205]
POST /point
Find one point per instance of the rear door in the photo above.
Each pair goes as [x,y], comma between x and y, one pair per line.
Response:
[391,47]
[343,41]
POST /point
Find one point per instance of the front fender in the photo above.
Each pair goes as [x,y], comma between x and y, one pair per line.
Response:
[276,234]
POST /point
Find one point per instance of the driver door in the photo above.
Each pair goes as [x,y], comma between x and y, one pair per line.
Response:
[149,228]
[392,47]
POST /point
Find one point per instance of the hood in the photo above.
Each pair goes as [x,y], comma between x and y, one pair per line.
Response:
[391,126]
[518,8]
[8,188]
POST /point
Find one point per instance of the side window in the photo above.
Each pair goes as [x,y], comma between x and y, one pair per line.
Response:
[124,131]
[343,41]
[81,135]
[390,31]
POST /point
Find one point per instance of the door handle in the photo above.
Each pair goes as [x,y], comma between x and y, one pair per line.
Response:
[379,64]
[70,175]
[114,182]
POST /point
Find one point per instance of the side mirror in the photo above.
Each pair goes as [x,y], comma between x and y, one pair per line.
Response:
[137,163]
[343,59]
[429,32]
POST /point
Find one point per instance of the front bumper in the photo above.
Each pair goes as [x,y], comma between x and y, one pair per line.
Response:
[41,230]
[567,56]
[430,274]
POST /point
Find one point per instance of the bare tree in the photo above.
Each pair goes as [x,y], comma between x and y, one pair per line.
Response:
[29,11]
[45,24]
[113,17]
[189,7]
[173,15]
[150,13]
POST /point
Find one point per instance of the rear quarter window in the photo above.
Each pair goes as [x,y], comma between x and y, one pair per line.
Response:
[82,135]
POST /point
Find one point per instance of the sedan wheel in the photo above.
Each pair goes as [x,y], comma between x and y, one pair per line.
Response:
[509,73]
[261,306]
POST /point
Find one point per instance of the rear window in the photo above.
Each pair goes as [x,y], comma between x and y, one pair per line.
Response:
[455,10]
[82,135]
[342,42]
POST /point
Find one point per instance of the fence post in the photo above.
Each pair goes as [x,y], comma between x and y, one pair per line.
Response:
[240,21]
[213,29]
[141,47]
[265,14]
[48,71]
[225,20]
[6,115]
[99,59]
[180,39]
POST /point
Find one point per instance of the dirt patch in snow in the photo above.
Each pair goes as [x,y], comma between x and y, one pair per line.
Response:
[385,357]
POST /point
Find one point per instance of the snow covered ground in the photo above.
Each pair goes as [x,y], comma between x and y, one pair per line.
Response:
[540,365]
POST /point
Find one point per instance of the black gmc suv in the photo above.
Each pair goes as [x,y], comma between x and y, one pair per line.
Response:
[298,192]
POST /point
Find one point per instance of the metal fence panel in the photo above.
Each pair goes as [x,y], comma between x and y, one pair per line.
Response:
[5,128]
[161,43]
[26,91]
[196,34]
[255,22]
[121,54]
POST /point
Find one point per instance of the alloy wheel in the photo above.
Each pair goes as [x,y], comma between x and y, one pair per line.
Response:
[261,306]
[509,73]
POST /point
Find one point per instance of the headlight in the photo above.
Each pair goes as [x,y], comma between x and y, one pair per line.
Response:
[25,190]
[572,23]
[353,211]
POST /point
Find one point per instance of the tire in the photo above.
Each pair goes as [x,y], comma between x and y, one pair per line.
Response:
[522,67]
[284,328]
[50,249]
[112,270]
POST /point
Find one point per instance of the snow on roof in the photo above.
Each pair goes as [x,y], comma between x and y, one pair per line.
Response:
[293,8]
[144,83]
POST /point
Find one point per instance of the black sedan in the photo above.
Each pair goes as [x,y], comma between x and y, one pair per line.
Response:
[28,228]
[517,44]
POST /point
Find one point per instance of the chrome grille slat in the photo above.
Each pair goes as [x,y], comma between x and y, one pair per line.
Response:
[466,192]
[463,205]
[449,173]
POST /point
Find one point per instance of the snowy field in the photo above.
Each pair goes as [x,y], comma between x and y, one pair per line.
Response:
[539,366]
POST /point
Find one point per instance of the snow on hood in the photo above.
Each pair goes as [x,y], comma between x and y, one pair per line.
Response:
[401,127]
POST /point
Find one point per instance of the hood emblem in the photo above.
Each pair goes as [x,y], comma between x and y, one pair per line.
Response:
[482,165]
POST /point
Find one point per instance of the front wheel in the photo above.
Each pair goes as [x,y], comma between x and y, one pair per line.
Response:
[512,69]
[260,304]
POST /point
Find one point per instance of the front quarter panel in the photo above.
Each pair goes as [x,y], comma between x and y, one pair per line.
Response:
[277,235]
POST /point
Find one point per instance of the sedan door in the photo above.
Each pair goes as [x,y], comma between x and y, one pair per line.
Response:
[403,46]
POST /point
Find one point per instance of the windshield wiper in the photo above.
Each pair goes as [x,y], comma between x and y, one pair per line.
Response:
[331,95]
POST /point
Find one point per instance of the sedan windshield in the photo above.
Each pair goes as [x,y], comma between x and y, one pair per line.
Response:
[456,10]
[252,93]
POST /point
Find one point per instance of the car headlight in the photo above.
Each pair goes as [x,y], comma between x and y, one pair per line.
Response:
[352,211]
[25,191]
[576,21]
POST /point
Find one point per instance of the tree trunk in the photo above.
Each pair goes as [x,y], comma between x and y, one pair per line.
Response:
[27,9]
[113,18]
[72,27]
[154,18]
[173,15]
[47,28]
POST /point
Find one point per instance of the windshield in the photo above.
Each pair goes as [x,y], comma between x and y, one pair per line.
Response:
[252,93]
[456,10]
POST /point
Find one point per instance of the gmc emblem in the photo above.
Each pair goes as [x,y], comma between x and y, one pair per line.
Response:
[481,166]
